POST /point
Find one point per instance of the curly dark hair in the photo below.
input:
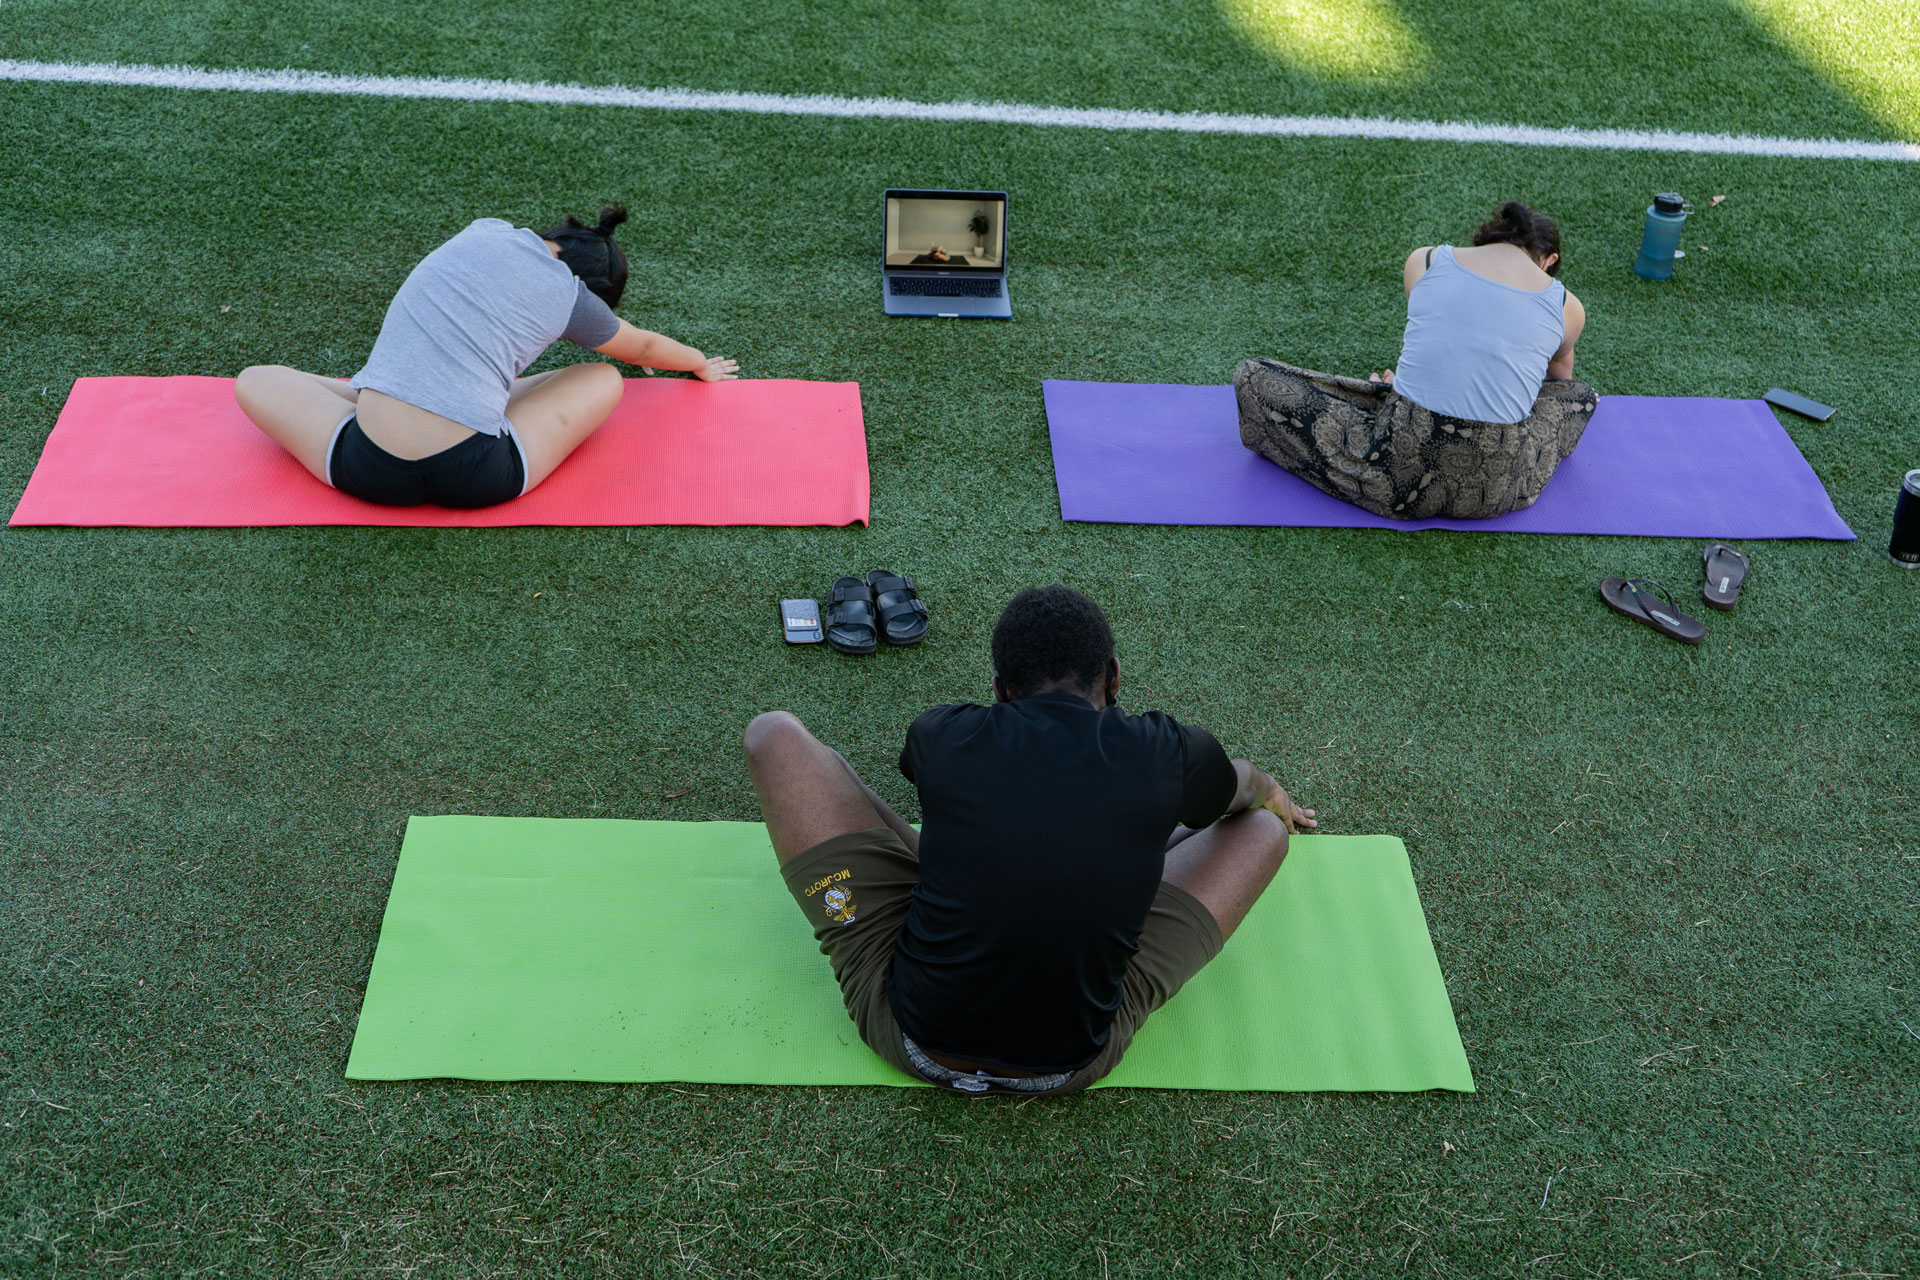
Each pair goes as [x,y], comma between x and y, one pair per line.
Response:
[1051,635]
[591,254]
[1516,224]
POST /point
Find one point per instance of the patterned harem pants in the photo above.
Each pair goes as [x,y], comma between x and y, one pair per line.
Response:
[1367,444]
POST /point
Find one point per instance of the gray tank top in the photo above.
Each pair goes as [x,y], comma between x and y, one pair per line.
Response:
[473,314]
[1475,348]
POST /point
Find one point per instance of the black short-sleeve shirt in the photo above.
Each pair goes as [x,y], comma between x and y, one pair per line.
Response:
[1044,825]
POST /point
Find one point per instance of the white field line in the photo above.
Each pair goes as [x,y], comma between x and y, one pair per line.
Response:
[110,73]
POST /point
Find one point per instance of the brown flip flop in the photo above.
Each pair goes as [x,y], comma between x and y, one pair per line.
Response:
[1726,570]
[1645,600]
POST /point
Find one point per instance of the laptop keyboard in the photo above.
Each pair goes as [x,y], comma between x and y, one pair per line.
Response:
[948,287]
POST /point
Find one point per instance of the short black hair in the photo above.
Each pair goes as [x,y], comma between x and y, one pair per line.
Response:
[1051,635]
[591,254]
[1516,224]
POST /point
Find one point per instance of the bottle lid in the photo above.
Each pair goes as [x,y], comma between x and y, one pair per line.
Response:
[1912,483]
[1668,202]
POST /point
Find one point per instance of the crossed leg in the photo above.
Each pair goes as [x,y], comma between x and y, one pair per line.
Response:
[809,794]
[808,791]
[1228,865]
[299,411]
[553,412]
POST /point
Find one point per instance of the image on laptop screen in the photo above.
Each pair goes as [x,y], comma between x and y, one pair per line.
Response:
[942,233]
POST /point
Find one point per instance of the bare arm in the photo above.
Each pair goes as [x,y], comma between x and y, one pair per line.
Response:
[657,351]
[1258,790]
[1560,368]
[1416,266]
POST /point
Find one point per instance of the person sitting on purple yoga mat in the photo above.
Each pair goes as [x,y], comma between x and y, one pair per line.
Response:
[439,413]
[1074,868]
[1483,407]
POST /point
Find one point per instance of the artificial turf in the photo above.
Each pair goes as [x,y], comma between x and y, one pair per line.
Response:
[1673,890]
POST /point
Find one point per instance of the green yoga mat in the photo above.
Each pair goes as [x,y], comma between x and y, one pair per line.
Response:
[590,949]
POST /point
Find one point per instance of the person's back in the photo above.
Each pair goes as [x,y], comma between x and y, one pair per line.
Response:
[1483,407]
[1052,899]
[438,413]
[1043,834]
[471,316]
[1477,346]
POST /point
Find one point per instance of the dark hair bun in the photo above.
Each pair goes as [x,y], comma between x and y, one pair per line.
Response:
[610,217]
[1516,224]
[1510,219]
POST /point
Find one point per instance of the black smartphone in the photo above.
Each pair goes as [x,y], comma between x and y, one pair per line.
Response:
[800,621]
[1799,404]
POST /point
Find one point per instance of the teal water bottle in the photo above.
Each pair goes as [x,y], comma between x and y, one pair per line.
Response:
[1665,216]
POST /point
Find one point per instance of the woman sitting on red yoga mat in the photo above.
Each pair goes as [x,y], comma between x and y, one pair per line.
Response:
[439,413]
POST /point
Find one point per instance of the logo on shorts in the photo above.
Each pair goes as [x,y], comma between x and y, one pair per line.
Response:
[837,901]
[838,904]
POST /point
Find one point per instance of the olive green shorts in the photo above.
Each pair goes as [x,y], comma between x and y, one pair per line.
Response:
[856,888]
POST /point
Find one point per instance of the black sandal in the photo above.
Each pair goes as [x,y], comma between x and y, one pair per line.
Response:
[1641,598]
[1726,569]
[850,617]
[903,618]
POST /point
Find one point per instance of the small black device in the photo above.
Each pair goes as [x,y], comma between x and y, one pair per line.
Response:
[1799,404]
[800,621]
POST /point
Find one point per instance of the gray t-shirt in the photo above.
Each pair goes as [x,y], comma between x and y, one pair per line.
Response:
[473,314]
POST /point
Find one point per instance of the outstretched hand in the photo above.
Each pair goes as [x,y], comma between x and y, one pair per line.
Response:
[718,369]
[1292,815]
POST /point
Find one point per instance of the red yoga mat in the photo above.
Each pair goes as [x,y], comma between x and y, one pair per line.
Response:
[178,452]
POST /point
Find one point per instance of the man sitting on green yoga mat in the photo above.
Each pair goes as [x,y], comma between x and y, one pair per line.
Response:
[1075,867]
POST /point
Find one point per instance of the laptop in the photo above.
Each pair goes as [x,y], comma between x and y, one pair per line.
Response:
[944,253]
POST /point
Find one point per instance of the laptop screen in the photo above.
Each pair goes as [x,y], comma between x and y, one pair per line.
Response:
[946,230]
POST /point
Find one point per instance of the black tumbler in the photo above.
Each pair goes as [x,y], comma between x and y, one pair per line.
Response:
[1904,550]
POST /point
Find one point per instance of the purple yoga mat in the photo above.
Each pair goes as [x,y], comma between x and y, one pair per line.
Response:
[1648,466]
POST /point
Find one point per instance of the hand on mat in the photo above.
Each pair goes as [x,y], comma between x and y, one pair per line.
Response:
[1385,376]
[718,369]
[1281,804]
